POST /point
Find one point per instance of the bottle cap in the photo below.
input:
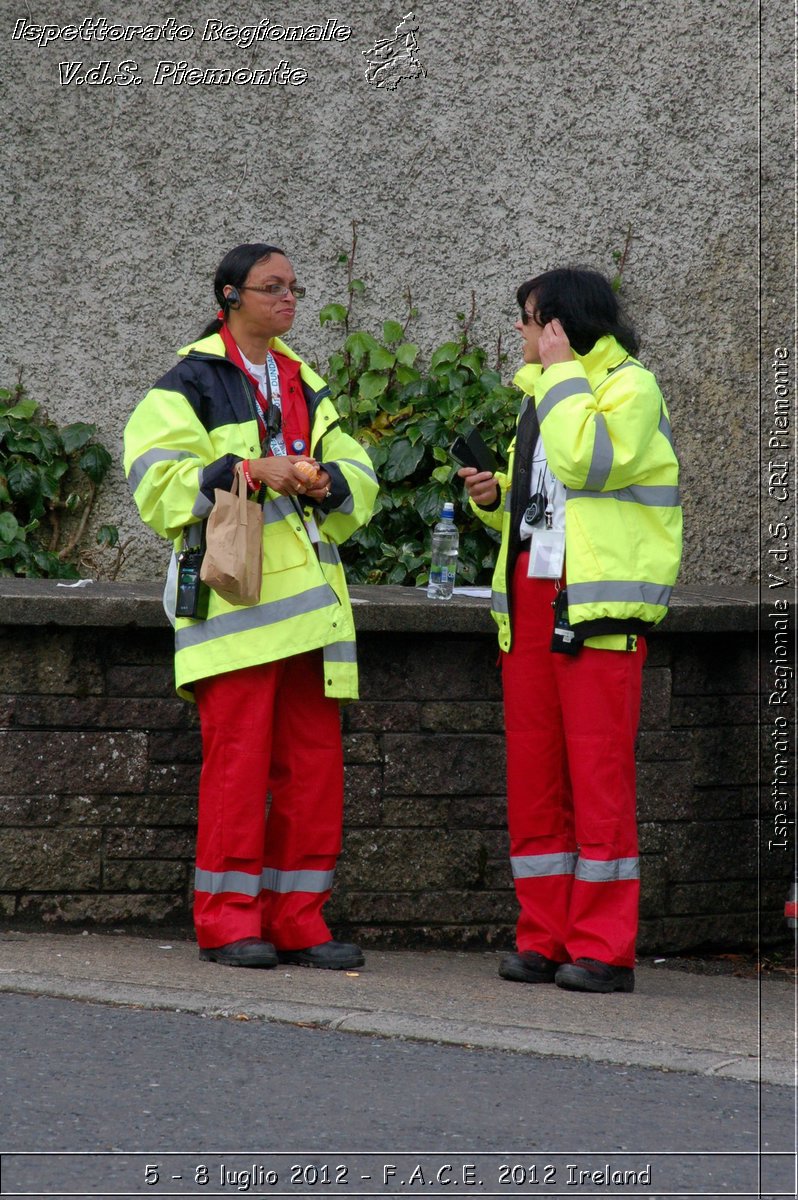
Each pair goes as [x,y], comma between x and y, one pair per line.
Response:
[447,512]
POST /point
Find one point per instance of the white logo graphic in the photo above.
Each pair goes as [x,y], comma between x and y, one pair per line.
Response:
[393,59]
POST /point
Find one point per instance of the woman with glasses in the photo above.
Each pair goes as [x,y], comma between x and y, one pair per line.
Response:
[591,541]
[267,678]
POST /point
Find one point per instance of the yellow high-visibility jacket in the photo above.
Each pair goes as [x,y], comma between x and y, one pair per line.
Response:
[607,437]
[181,443]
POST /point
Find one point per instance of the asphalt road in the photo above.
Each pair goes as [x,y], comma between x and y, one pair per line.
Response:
[225,1106]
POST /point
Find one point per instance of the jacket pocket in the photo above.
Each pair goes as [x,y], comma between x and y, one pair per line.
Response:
[285,545]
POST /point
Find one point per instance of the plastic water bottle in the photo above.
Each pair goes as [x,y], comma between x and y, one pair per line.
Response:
[443,563]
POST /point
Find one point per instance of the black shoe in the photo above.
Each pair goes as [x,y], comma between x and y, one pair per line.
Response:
[330,956]
[248,952]
[591,975]
[527,966]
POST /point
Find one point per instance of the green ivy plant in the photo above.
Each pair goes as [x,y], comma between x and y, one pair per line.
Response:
[49,477]
[407,413]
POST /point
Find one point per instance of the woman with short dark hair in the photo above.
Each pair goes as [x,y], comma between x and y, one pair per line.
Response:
[591,526]
[267,678]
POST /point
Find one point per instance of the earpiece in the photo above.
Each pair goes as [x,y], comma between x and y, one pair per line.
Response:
[233,299]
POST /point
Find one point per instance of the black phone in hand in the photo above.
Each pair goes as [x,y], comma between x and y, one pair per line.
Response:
[470,450]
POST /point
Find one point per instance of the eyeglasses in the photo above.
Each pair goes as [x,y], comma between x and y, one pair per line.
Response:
[527,316]
[277,289]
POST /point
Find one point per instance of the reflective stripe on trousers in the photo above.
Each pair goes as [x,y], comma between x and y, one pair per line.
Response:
[592,870]
[269,880]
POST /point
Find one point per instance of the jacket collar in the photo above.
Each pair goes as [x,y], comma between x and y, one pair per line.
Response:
[214,346]
[597,363]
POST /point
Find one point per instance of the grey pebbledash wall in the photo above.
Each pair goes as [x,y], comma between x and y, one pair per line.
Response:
[542,132]
[99,765]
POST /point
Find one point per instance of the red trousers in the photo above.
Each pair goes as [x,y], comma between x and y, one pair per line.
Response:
[571,724]
[265,867]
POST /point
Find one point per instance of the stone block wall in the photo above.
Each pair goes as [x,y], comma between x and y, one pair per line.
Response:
[99,764]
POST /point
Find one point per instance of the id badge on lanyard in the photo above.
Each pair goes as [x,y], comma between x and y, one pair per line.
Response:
[546,552]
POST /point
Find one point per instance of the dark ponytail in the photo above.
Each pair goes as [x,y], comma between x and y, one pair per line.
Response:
[233,270]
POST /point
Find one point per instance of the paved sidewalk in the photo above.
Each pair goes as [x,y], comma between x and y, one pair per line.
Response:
[676,1021]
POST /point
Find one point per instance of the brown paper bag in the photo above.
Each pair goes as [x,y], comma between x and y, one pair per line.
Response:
[233,562]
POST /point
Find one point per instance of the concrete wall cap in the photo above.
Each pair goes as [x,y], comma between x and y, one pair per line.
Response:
[710,609]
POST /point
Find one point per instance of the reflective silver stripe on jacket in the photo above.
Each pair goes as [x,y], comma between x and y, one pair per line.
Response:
[618,590]
[346,506]
[148,459]
[202,505]
[328,553]
[533,866]
[561,391]
[652,495]
[601,462]
[665,428]
[593,870]
[270,880]
[353,462]
[296,881]
[498,602]
[340,652]
[241,620]
[277,510]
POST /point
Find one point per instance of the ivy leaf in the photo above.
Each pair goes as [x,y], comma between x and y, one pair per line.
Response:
[490,379]
[442,474]
[392,331]
[23,409]
[446,353]
[381,359]
[403,458]
[23,445]
[473,361]
[378,454]
[359,344]
[23,481]
[108,535]
[332,312]
[372,384]
[49,481]
[51,442]
[406,353]
[406,375]
[76,436]
[357,285]
[95,461]
[9,526]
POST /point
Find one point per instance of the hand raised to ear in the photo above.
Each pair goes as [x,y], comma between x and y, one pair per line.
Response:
[553,344]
